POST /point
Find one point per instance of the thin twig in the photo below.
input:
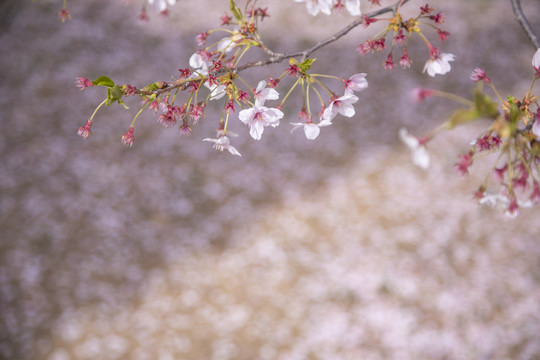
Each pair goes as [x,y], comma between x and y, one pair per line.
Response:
[520,17]
[306,53]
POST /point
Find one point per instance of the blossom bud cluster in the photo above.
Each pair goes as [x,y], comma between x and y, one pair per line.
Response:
[400,31]
[514,134]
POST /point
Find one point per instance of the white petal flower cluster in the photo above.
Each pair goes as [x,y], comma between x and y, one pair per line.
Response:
[162,5]
[199,64]
[419,152]
[314,7]
[439,65]
[259,116]
[342,105]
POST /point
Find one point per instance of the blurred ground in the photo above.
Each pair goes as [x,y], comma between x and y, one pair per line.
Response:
[333,249]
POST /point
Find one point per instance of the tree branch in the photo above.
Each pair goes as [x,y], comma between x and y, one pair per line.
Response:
[279,57]
[520,17]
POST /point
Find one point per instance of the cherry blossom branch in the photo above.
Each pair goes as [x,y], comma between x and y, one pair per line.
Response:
[520,17]
[277,58]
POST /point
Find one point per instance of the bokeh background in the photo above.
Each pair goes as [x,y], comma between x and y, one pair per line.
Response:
[337,248]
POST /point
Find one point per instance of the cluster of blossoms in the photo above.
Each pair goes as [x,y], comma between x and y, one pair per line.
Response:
[401,31]
[162,6]
[214,75]
[315,7]
[215,68]
[513,134]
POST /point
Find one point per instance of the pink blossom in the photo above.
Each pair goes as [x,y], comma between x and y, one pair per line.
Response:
[418,148]
[342,105]
[258,117]
[311,130]
[262,93]
[316,6]
[438,64]
[222,142]
[356,82]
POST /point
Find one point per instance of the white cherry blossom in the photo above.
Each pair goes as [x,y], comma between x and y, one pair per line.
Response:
[199,64]
[222,142]
[342,105]
[258,117]
[227,44]
[536,127]
[419,151]
[162,5]
[216,91]
[316,6]
[201,67]
[439,65]
[536,59]
[353,7]
[356,82]
[262,93]
[311,129]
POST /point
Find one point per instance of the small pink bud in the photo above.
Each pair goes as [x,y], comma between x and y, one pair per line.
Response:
[478,75]
[443,35]
[64,15]
[127,138]
[84,131]
[83,83]
[426,9]
[388,64]
[420,94]
[405,61]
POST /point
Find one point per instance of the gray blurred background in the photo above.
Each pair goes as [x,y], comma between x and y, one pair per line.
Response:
[334,249]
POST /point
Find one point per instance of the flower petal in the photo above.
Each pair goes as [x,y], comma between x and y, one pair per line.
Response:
[536,59]
[312,131]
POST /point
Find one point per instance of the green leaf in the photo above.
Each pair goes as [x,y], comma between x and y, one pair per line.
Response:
[484,105]
[462,116]
[103,81]
[153,87]
[515,114]
[237,13]
[306,64]
[114,94]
